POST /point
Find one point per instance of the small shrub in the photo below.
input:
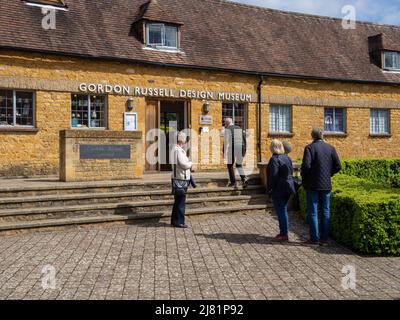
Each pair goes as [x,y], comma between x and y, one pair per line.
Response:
[365,215]
[382,171]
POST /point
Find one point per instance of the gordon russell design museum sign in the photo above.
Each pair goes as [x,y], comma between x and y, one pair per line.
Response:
[163,92]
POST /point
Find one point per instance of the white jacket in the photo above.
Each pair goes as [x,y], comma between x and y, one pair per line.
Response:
[183,165]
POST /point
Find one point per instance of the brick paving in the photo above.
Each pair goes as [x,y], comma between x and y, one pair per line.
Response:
[218,257]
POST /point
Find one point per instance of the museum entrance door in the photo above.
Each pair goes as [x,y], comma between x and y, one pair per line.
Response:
[168,117]
[172,120]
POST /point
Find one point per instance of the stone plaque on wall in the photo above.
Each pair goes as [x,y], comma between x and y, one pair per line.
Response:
[99,151]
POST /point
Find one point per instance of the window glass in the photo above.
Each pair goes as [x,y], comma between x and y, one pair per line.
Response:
[162,35]
[6,108]
[155,34]
[379,121]
[18,111]
[392,60]
[24,108]
[88,111]
[334,120]
[170,36]
[236,111]
[280,119]
[97,111]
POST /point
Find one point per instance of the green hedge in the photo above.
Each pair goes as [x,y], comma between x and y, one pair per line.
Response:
[386,172]
[365,215]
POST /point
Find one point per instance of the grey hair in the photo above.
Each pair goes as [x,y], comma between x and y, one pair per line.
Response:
[317,134]
[229,120]
[182,137]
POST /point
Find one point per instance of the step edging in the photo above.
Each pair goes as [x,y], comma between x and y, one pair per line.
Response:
[117,218]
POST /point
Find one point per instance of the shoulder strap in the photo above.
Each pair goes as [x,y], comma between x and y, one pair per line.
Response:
[174,164]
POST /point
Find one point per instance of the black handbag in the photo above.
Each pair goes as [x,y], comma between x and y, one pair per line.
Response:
[179,186]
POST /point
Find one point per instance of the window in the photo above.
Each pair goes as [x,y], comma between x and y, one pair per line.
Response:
[161,35]
[334,120]
[391,61]
[280,119]
[16,108]
[88,111]
[380,121]
[236,111]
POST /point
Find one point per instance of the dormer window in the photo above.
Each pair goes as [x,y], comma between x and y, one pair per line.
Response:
[161,36]
[391,60]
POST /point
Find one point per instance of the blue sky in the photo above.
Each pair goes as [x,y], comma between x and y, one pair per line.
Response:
[378,11]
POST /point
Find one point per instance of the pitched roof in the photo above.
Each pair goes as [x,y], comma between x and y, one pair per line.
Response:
[216,34]
[155,10]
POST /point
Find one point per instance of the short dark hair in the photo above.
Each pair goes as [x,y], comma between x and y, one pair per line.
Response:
[287,146]
[317,134]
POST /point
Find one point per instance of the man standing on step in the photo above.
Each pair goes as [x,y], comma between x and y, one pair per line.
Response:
[235,150]
[320,163]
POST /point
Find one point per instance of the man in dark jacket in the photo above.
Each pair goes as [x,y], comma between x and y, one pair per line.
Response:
[235,150]
[320,163]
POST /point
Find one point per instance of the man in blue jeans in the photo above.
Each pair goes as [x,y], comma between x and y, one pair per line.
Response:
[320,163]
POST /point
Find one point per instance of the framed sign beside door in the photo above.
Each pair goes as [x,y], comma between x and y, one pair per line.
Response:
[130,121]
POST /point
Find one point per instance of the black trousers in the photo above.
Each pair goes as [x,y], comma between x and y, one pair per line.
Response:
[236,157]
[178,210]
[231,171]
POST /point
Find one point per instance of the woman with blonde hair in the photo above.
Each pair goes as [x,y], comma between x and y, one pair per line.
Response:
[280,186]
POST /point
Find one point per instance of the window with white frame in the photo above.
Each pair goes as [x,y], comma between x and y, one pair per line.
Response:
[280,119]
[380,121]
[236,111]
[88,111]
[391,60]
[335,120]
[17,108]
[160,35]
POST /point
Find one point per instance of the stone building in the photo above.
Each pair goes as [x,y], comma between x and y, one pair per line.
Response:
[94,64]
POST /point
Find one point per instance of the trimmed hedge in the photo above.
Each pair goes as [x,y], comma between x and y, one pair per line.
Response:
[365,215]
[386,172]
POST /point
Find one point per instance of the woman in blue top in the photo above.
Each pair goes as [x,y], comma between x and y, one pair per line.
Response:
[280,186]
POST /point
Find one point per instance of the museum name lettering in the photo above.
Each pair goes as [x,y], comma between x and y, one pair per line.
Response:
[163,92]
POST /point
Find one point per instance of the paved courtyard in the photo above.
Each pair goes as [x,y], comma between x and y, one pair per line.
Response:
[218,257]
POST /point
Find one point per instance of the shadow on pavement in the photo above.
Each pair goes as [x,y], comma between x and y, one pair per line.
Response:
[239,238]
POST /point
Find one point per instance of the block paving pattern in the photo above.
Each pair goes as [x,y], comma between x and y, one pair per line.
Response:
[218,257]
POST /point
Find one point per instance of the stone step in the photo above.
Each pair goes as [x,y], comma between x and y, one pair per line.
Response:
[124,208]
[50,224]
[43,188]
[112,197]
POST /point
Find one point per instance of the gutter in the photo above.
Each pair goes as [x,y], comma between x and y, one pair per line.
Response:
[259,117]
[194,67]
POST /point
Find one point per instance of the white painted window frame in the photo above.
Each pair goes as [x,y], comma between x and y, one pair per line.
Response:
[385,67]
[162,45]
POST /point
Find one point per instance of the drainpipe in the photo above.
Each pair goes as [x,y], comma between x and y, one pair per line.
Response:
[259,113]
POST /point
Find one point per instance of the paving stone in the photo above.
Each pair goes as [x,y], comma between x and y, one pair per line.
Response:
[219,257]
